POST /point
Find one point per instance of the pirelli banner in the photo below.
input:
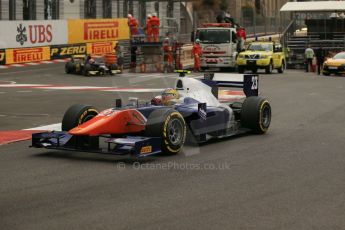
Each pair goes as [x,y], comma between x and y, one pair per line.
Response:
[2,57]
[22,55]
[100,48]
[97,30]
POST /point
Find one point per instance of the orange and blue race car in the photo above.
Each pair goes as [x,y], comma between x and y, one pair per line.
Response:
[163,125]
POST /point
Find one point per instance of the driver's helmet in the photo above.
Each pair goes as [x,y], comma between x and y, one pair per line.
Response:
[169,96]
[157,100]
[197,40]
[91,61]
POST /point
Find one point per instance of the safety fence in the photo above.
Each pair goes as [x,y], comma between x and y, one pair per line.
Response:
[32,41]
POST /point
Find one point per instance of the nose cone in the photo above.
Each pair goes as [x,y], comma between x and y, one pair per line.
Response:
[95,126]
[111,122]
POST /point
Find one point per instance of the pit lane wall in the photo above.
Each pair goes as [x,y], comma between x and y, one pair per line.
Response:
[42,40]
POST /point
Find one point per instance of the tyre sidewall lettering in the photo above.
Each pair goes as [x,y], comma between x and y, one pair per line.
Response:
[165,127]
[82,116]
[262,106]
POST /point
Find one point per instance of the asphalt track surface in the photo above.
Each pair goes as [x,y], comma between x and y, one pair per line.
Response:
[290,178]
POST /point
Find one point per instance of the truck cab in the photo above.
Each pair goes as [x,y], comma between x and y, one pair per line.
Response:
[262,55]
[219,45]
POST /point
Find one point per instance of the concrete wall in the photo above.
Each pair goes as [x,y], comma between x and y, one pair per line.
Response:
[71,10]
[19,10]
[5,10]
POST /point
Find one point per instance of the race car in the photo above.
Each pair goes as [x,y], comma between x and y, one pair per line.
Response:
[335,65]
[89,66]
[262,55]
[146,128]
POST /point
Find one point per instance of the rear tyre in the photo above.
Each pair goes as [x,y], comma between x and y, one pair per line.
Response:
[255,70]
[86,70]
[69,67]
[256,114]
[281,68]
[77,115]
[326,74]
[168,124]
[269,68]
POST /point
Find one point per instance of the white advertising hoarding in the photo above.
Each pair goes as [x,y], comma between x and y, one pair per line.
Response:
[18,34]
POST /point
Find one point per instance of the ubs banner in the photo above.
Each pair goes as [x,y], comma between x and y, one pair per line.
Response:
[17,34]
[97,30]
[27,55]
[65,51]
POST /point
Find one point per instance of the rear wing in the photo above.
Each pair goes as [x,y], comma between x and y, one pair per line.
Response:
[248,82]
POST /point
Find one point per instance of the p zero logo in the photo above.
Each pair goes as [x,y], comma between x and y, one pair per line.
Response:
[64,51]
[146,149]
[27,55]
[101,30]
[100,48]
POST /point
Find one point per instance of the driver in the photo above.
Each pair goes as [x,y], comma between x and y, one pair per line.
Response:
[170,97]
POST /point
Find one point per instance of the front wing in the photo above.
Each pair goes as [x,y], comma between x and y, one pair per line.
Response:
[132,145]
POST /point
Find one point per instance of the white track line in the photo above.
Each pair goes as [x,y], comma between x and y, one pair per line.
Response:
[60,60]
[134,90]
[86,88]
[17,65]
[10,82]
[21,85]
[55,127]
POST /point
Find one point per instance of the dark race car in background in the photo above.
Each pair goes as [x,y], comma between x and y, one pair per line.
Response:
[81,64]
[143,129]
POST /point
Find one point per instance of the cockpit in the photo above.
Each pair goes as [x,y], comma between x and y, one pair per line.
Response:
[197,90]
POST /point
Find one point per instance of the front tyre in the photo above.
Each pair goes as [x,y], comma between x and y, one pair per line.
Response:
[282,68]
[77,115]
[256,114]
[269,68]
[168,124]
